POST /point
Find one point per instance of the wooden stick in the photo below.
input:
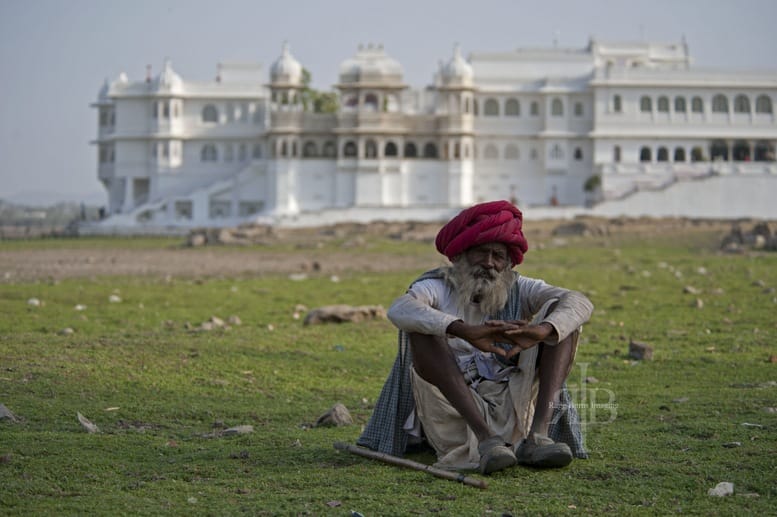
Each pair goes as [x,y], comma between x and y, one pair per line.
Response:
[394,460]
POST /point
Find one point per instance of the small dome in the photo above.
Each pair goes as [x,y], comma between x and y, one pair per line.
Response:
[168,79]
[371,64]
[457,70]
[286,69]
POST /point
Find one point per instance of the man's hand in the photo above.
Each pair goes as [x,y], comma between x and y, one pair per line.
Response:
[481,337]
[522,335]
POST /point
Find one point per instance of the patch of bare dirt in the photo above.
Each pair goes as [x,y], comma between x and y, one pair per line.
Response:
[222,252]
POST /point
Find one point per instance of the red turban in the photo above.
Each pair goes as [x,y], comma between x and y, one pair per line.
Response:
[496,221]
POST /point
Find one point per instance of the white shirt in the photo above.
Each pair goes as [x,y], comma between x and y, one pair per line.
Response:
[430,306]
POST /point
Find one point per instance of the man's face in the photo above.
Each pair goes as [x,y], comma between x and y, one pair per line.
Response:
[488,260]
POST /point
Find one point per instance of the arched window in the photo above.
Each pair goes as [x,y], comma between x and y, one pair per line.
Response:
[490,152]
[534,109]
[430,150]
[210,114]
[466,105]
[330,149]
[229,154]
[351,101]
[617,103]
[371,102]
[679,154]
[616,154]
[719,151]
[645,104]
[256,152]
[475,107]
[679,105]
[741,151]
[697,155]
[350,149]
[512,108]
[410,150]
[663,104]
[491,108]
[284,149]
[764,152]
[456,150]
[697,105]
[578,109]
[578,154]
[209,153]
[370,149]
[511,152]
[645,154]
[556,153]
[390,149]
[719,104]
[763,104]
[309,149]
[556,107]
[662,155]
[741,104]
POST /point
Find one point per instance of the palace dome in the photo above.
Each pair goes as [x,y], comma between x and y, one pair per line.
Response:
[457,70]
[372,65]
[286,69]
[168,79]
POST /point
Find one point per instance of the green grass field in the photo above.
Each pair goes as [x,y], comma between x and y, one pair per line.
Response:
[661,433]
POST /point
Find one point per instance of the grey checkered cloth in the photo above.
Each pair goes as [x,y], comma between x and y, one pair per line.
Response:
[384,431]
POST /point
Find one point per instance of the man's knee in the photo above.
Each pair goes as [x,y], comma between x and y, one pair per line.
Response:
[431,354]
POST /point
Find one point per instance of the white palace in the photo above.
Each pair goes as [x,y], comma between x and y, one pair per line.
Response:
[609,129]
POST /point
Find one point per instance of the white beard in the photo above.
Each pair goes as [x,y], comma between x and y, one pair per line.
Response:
[483,287]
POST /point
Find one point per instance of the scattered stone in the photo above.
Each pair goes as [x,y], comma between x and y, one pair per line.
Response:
[234,320]
[89,426]
[34,302]
[6,414]
[114,298]
[80,307]
[731,445]
[681,400]
[689,289]
[722,489]
[296,443]
[699,303]
[336,417]
[640,351]
[297,277]
[344,313]
[67,331]
[239,429]
[773,358]
[591,380]
[752,426]
[771,410]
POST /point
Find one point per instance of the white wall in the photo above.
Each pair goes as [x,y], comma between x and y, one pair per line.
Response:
[727,197]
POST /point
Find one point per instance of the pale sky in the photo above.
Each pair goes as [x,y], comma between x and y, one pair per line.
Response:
[55,54]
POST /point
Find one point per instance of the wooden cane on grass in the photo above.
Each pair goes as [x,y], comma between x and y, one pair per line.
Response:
[401,462]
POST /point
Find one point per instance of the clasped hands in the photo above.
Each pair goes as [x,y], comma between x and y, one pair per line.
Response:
[519,333]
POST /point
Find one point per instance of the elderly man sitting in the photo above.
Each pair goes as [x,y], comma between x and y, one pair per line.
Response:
[484,354]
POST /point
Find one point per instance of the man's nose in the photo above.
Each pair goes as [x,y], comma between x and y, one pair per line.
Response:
[489,261]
